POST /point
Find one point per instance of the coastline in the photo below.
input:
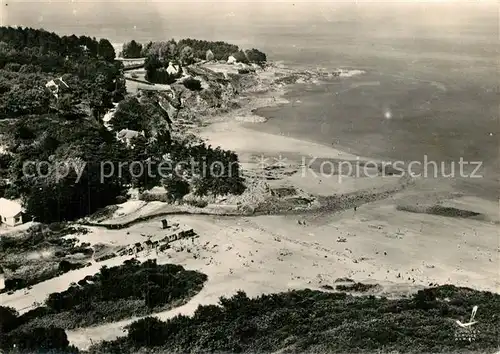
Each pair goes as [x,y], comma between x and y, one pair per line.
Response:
[271,192]
[265,95]
[232,131]
[386,241]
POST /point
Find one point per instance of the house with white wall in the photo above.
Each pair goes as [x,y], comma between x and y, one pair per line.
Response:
[11,212]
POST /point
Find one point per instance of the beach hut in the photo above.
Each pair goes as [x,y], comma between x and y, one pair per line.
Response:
[164,224]
[231,60]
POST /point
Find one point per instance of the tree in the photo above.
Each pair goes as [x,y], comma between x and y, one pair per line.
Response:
[256,56]
[66,107]
[148,331]
[156,71]
[175,186]
[129,115]
[210,55]
[241,57]
[187,55]
[21,101]
[42,340]
[151,65]
[106,50]
[8,319]
[192,84]
[132,49]
[164,50]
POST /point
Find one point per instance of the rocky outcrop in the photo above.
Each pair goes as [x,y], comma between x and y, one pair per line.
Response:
[217,94]
[219,89]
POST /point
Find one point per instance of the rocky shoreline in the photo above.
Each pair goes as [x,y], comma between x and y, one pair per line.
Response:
[232,93]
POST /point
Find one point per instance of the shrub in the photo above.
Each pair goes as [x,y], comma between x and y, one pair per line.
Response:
[8,319]
[65,266]
[132,289]
[147,332]
[154,197]
[41,340]
[175,186]
[192,84]
[121,199]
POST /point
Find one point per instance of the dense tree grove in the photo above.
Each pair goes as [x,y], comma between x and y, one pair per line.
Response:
[156,70]
[30,58]
[313,321]
[256,56]
[241,57]
[129,115]
[57,172]
[53,129]
[65,174]
[132,50]
[187,51]
[221,50]
[42,43]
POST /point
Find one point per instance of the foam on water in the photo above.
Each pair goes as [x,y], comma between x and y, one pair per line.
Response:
[350,73]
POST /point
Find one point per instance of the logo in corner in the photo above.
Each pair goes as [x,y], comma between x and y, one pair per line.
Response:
[466,331]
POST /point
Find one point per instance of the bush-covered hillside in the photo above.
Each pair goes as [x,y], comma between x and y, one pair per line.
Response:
[30,58]
[57,155]
[67,169]
[313,321]
[131,289]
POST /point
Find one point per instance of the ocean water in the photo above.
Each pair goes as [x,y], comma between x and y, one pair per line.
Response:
[431,81]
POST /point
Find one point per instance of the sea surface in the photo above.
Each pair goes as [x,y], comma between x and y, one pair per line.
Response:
[430,86]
